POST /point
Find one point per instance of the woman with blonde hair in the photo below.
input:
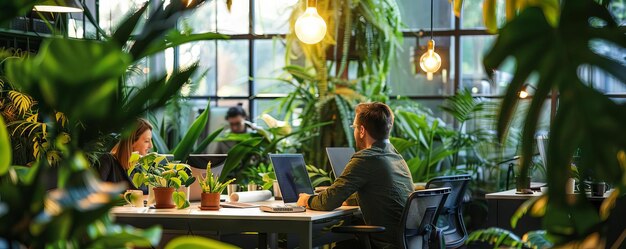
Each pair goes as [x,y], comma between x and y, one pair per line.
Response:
[114,165]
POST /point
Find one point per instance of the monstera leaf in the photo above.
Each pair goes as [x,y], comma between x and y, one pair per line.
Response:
[585,118]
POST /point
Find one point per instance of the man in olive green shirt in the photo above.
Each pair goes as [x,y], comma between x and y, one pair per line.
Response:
[377,173]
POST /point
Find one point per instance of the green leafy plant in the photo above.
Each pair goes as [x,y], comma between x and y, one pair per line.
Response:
[94,101]
[151,171]
[187,144]
[263,174]
[585,118]
[23,199]
[255,147]
[13,8]
[500,238]
[424,144]
[550,9]
[197,242]
[319,177]
[210,184]
[364,34]
[335,109]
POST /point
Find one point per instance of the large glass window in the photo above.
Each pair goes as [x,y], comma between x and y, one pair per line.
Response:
[233,21]
[472,14]
[204,82]
[112,12]
[406,77]
[443,17]
[246,67]
[269,60]
[232,68]
[272,16]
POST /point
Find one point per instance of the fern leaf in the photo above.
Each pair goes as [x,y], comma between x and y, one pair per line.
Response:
[21,101]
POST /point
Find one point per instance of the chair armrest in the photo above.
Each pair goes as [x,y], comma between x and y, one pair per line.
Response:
[358,229]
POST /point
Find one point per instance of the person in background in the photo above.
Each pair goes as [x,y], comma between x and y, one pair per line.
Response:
[114,165]
[377,173]
[236,117]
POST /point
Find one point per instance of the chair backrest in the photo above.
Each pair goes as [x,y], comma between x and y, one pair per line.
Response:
[451,218]
[420,214]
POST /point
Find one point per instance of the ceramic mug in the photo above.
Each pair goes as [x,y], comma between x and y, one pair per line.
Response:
[134,198]
[231,188]
[252,187]
[276,188]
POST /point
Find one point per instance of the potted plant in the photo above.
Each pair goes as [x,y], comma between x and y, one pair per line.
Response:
[211,190]
[165,177]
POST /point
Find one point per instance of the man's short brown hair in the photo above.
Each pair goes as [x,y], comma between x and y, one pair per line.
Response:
[376,117]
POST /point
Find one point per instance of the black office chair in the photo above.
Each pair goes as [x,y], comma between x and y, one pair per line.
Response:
[417,224]
[451,216]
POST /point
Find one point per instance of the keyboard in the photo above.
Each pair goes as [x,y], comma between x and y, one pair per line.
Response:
[282,209]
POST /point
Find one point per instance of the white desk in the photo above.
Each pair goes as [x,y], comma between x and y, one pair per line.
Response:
[233,220]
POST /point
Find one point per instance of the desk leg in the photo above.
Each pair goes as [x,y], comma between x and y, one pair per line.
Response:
[262,241]
[273,240]
[305,234]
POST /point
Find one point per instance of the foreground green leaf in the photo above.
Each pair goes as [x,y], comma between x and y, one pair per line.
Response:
[5,148]
[198,243]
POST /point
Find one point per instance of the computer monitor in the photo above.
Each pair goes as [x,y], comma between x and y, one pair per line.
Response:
[339,158]
[292,176]
[198,164]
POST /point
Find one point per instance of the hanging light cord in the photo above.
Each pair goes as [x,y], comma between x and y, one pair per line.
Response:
[431,19]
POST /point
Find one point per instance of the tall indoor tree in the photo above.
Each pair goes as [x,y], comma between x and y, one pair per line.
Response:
[364,34]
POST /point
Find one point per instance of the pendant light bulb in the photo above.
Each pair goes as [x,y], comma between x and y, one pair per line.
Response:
[310,26]
[429,76]
[430,61]
[523,94]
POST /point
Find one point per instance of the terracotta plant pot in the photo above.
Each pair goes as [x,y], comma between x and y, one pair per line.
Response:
[163,197]
[210,201]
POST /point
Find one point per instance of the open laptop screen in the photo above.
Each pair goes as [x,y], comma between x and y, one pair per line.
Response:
[292,176]
[339,158]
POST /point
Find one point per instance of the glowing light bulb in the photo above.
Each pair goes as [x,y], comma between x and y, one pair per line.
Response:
[310,27]
[430,61]
[523,94]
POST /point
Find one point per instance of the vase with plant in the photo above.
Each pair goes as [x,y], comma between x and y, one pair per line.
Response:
[211,190]
[164,177]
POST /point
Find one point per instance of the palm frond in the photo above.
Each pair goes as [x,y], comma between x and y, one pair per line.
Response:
[497,237]
[463,106]
[21,101]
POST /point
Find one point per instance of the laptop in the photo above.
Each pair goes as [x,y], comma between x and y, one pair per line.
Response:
[339,158]
[293,179]
[198,164]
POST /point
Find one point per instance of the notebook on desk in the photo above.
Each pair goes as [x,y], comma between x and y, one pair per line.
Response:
[293,179]
[339,158]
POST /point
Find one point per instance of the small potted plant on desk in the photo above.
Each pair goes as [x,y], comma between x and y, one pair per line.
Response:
[165,177]
[211,190]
